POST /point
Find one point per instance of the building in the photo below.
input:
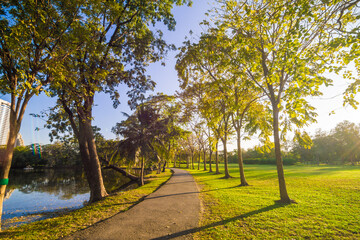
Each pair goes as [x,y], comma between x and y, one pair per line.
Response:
[4,121]
[19,141]
[5,125]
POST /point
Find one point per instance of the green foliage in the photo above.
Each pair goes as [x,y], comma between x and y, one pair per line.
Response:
[24,156]
[279,46]
[254,156]
[115,45]
[151,131]
[272,161]
[339,146]
[61,154]
[34,36]
[55,155]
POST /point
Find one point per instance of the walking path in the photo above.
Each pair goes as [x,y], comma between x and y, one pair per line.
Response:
[169,213]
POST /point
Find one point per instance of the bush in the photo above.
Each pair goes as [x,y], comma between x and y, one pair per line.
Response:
[272,161]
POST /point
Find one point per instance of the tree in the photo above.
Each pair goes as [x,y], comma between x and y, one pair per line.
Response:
[150,131]
[281,44]
[204,74]
[25,155]
[33,37]
[139,132]
[118,45]
[339,146]
[190,144]
[61,154]
[169,108]
[347,135]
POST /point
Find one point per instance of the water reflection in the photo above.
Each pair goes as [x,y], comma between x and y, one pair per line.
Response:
[37,194]
[63,183]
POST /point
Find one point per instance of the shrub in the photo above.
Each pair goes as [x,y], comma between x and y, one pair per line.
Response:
[271,161]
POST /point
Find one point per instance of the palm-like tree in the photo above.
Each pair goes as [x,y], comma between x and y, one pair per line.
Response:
[142,131]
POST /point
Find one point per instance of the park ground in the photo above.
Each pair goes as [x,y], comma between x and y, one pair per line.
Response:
[328,203]
[328,206]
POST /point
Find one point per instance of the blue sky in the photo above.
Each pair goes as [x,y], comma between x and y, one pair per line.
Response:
[187,18]
[105,116]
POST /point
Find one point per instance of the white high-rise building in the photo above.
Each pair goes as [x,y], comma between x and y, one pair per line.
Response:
[19,141]
[4,121]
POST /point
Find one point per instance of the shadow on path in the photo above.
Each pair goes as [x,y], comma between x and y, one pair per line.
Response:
[174,194]
[179,182]
[215,224]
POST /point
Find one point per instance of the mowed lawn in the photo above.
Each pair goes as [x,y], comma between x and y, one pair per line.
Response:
[328,203]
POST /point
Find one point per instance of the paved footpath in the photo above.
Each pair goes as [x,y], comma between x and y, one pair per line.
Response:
[169,213]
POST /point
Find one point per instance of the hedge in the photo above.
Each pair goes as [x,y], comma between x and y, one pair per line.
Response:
[286,161]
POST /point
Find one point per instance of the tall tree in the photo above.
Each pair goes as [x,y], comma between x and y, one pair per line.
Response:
[34,37]
[281,44]
[139,132]
[147,132]
[190,144]
[118,46]
[202,75]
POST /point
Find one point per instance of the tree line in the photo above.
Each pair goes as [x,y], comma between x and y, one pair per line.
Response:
[253,68]
[339,146]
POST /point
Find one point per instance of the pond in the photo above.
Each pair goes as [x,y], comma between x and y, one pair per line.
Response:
[38,194]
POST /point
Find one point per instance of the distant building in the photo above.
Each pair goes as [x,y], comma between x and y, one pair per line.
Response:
[5,125]
[4,121]
[19,141]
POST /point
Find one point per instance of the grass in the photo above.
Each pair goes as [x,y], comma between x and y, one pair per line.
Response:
[68,223]
[328,203]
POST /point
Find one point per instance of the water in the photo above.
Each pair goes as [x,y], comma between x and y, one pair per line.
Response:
[39,194]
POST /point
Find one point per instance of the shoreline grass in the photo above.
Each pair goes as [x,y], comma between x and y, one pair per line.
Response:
[70,222]
[328,206]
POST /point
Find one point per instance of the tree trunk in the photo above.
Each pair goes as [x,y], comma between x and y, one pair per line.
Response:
[240,160]
[123,172]
[199,160]
[164,166]
[17,110]
[284,197]
[217,159]
[6,162]
[91,161]
[187,162]
[142,171]
[158,171]
[210,167]
[205,160]
[227,175]
[192,161]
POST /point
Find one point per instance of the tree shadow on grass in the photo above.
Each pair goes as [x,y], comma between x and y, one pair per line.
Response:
[124,203]
[223,222]
[225,177]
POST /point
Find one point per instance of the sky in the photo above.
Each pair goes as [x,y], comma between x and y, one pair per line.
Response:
[187,18]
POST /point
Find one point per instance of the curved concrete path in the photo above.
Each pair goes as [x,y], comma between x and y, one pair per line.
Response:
[168,213]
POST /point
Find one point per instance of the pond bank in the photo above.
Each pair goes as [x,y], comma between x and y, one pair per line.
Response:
[40,193]
[68,223]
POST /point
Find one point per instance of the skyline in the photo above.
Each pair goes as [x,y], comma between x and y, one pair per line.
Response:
[188,18]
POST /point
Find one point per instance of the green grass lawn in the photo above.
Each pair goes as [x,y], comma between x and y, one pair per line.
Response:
[55,228]
[328,203]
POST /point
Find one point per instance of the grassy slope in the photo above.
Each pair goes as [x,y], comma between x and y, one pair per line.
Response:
[328,206]
[66,224]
